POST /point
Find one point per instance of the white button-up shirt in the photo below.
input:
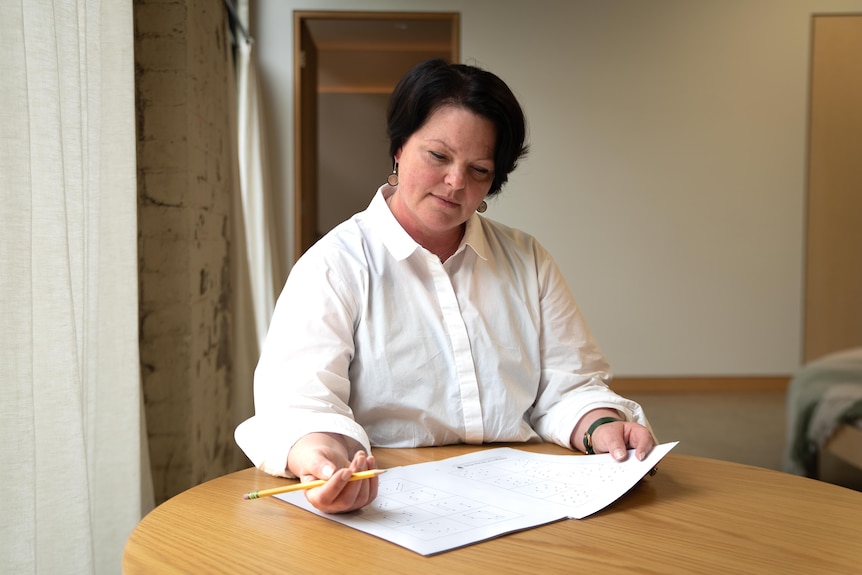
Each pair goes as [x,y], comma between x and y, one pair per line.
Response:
[375,339]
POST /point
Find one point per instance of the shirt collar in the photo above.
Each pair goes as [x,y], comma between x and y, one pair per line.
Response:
[474,236]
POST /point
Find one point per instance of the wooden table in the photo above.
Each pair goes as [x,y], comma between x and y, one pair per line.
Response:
[695,516]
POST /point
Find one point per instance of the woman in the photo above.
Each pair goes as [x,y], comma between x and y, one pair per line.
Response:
[418,322]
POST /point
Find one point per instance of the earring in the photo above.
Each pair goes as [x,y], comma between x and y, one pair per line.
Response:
[483,205]
[392,180]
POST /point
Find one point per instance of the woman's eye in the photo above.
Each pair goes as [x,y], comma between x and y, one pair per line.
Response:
[437,156]
[482,173]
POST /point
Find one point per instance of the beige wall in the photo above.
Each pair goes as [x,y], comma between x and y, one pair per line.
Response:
[353,155]
[184,172]
[667,172]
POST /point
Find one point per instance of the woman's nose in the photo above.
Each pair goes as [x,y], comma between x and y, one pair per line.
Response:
[455,177]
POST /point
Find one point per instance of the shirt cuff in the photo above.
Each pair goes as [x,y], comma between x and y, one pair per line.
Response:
[268,445]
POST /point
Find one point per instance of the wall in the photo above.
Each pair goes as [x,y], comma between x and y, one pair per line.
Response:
[667,172]
[184,173]
[353,155]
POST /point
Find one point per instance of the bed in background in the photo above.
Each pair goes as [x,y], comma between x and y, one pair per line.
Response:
[824,413]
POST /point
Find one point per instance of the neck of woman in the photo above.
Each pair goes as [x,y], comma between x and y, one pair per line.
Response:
[443,246]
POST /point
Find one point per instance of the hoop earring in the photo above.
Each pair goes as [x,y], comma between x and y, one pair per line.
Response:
[392,180]
[483,205]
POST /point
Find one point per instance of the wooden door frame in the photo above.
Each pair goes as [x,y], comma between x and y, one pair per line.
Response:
[832,315]
[305,116]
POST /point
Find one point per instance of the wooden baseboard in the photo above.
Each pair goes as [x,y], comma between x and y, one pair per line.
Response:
[709,384]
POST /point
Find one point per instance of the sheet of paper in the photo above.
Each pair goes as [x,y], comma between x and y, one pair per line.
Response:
[441,505]
[576,485]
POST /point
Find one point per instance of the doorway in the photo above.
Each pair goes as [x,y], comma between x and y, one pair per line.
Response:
[833,281]
[345,66]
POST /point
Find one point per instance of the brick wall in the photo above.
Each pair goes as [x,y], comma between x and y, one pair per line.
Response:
[184,177]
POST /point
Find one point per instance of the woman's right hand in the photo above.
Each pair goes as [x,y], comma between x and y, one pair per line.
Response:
[325,456]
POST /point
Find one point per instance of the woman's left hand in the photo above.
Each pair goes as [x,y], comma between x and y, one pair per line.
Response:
[616,437]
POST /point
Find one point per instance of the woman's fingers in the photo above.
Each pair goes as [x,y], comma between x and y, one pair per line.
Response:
[339,494]
[617,438]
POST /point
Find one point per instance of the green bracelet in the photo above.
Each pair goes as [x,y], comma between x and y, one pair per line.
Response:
[588,436]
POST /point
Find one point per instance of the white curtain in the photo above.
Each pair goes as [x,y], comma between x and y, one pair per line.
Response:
[256,207]
[254,254]
[70,400]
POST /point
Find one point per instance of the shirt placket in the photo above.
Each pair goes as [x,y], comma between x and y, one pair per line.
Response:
[468,383]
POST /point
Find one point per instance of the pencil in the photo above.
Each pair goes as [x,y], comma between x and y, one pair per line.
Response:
[309,484]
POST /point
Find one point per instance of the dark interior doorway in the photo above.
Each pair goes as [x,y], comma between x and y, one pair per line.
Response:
[345,66]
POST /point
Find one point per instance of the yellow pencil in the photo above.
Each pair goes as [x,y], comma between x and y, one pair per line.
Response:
[308,485]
